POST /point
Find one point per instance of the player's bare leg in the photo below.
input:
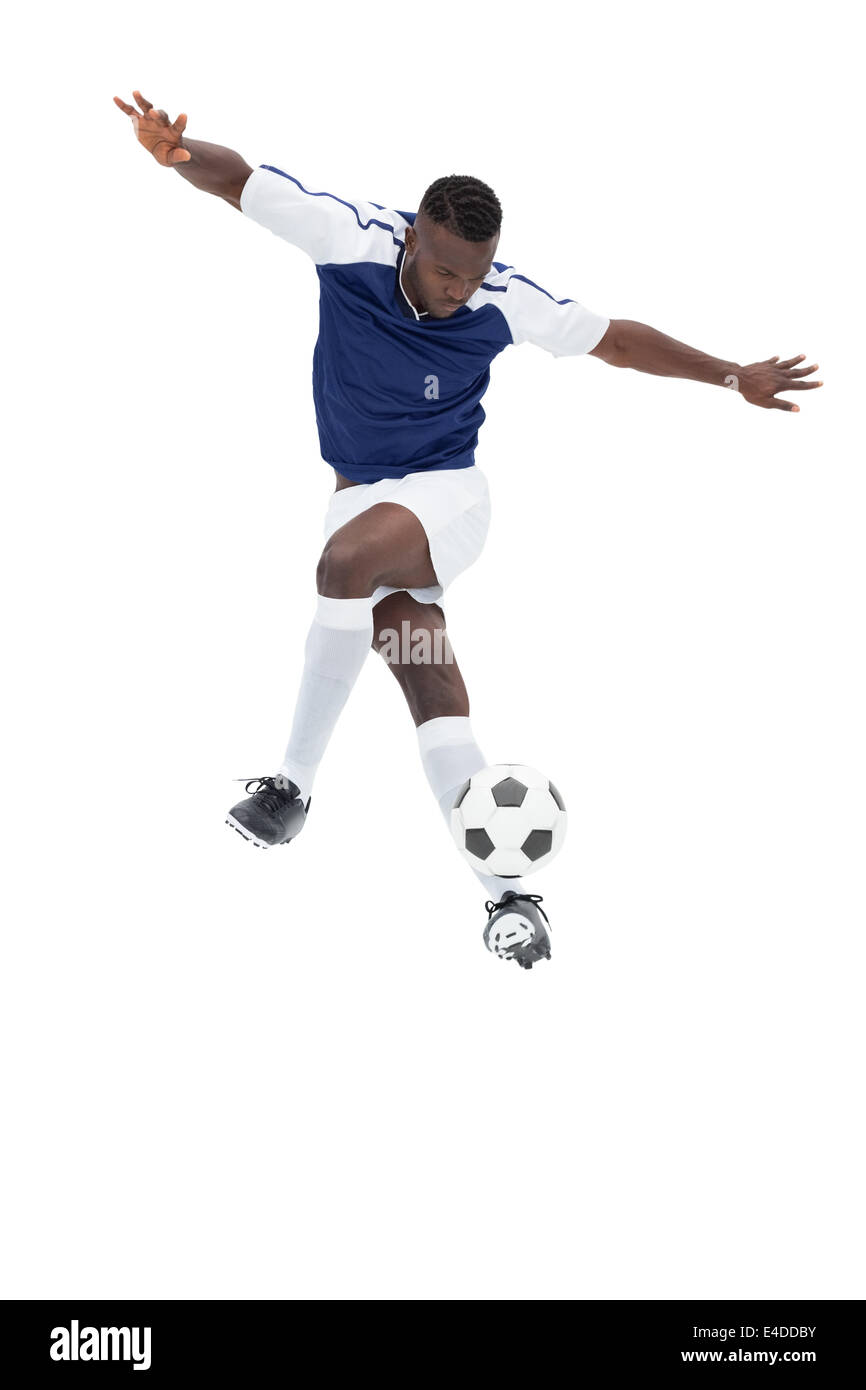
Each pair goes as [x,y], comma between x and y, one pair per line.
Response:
[432,689]
[438,701]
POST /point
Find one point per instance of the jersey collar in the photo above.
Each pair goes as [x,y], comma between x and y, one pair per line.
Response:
[405,305]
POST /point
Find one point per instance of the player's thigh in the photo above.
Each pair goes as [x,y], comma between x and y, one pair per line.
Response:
[386,544]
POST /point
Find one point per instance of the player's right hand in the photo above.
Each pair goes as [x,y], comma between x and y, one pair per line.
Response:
[154,130]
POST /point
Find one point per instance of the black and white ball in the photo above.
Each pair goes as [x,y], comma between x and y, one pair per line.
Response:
[508,820]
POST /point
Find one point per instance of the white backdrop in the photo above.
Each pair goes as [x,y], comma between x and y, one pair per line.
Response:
[299,1074]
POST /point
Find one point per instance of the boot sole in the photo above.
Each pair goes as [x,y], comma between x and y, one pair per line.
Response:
[254,839]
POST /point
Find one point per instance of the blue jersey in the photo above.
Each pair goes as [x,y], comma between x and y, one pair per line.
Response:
[396,391]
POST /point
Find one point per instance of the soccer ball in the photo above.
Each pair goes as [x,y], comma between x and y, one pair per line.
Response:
[508,820]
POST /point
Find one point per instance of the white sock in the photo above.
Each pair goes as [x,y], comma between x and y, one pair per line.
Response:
[450,756]
[336,648]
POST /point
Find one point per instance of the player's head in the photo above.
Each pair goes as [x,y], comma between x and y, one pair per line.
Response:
[452,244]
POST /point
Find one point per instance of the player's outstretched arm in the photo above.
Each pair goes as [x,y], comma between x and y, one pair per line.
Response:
[212,168]
[630,344]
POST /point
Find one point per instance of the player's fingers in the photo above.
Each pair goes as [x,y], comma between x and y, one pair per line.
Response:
[804,371]
[802,385]
[161,115]
[792,361]
[179,156]
[179,126]
[782,405]
[142,101]
[768,361]
[127,110]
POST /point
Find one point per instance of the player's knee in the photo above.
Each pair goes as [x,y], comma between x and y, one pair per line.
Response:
[344,570]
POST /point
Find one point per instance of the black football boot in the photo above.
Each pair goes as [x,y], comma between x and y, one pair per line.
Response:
[515,930]
[273,815]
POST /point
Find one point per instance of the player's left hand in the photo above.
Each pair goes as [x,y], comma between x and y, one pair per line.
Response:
[759,381]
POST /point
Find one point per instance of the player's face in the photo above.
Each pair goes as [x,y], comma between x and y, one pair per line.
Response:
[442,270]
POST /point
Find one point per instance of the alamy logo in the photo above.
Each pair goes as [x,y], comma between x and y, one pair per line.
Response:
[102,1344]
[415,647]
[431,388]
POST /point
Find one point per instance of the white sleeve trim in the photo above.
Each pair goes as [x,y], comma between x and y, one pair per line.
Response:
[332,230]
[563,327]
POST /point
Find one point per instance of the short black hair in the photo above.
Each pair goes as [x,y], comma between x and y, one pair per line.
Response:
[465,205]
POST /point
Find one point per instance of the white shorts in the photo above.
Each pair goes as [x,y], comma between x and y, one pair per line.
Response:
[453,506]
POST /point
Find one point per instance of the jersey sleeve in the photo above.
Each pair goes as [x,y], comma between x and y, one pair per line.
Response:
[330,229]
[563,327]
